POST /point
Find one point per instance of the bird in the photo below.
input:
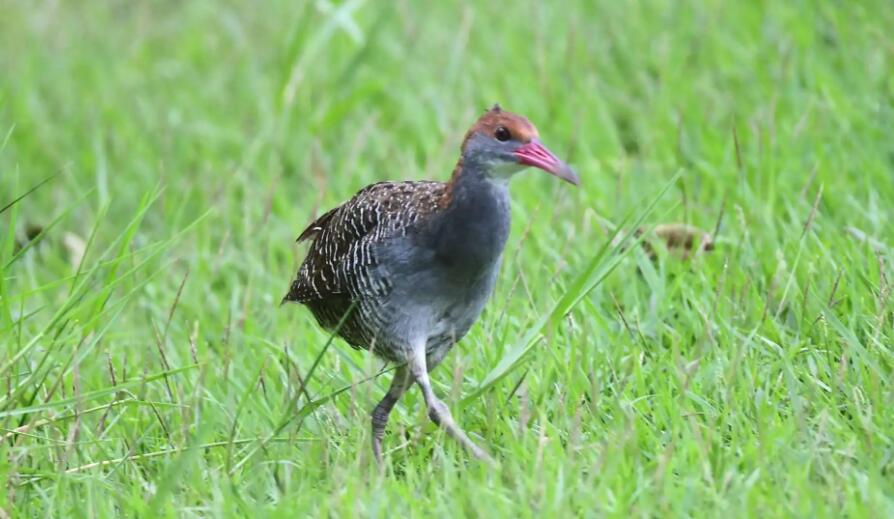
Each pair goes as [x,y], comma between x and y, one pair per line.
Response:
[403,269]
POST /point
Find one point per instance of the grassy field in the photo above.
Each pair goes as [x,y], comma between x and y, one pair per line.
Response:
[147,369]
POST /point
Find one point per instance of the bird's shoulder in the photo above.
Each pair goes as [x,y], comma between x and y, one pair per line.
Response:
[383,206]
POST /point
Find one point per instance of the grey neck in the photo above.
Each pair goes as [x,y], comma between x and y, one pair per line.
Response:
[471,233]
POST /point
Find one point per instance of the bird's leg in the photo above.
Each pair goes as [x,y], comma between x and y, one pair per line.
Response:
[399,385]
[438,410]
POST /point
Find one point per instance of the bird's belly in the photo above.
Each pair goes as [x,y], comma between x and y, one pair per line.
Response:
[453,314]
[454,323]
[435,300]
[444,334]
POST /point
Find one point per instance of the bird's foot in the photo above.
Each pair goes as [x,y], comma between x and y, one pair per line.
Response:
[440,414]
[481,454]
[377,450]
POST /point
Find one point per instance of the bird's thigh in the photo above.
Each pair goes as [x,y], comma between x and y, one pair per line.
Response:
[434,357]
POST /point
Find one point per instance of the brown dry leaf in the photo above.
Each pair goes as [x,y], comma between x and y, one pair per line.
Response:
[682,240]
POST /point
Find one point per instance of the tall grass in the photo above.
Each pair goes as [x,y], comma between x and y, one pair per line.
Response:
[161,158]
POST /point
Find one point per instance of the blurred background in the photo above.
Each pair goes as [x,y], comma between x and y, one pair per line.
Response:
[188,143]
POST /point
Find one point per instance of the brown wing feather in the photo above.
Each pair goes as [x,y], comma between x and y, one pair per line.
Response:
[317,225]
[341,260]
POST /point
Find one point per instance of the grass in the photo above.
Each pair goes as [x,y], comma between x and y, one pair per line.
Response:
[147,369]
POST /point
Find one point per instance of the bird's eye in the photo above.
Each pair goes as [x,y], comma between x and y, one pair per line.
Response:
[502,134]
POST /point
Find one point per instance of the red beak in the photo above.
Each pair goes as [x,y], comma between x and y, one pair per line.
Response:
[536,154]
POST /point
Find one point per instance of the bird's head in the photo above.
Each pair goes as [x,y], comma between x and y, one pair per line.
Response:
[502,143]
